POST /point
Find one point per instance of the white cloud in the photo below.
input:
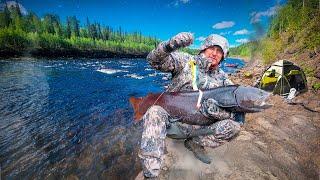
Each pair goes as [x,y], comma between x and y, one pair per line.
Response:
[185,1]
[13,4]
[241,32]
[223,25]
[242,40]
[225,33]
[176,3]
[201,38]
[256,16]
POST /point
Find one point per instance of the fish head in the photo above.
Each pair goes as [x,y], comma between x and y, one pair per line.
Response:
[253,99]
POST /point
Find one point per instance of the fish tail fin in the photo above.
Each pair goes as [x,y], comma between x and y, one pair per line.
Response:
[135,102]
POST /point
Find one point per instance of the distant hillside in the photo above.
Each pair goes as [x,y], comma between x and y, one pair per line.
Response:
[244,50]
[296,25]
[294,34]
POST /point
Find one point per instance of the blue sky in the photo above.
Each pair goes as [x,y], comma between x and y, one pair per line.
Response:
[237,20]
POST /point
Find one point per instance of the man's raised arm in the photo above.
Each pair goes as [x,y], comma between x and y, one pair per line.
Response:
[164,57]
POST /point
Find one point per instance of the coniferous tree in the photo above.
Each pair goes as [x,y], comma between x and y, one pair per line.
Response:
[16,16]
[74,25]
[93,31]
[68,28]
[5,17]
[49,23]
[33,22]
[99,33]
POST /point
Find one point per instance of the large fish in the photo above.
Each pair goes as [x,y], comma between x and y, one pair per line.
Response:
[183,105]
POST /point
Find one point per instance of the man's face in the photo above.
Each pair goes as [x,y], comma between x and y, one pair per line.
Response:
[214,54]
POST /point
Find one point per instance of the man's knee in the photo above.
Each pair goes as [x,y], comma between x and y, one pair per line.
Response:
[156,108]
[155,114]
[154,128]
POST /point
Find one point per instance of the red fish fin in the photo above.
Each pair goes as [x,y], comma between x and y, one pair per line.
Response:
[135,102]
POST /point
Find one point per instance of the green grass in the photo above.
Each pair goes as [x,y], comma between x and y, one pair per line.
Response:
[316,86]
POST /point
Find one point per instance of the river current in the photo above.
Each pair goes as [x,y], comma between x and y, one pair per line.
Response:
[72,118]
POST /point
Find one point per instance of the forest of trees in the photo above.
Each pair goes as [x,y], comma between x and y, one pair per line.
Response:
[47,36]
[296,25]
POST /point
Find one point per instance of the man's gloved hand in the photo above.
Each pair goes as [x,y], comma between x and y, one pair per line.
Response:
[174,131]
[210,109]
[180,40]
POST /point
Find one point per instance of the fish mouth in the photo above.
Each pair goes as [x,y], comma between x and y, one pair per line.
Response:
[266,105]
[265,101]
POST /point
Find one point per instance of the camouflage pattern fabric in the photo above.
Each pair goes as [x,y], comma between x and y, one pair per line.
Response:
[157,119]
[155,124]
[224,131]
[153,140]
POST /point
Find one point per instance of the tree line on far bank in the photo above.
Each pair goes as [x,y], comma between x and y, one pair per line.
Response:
[48,36]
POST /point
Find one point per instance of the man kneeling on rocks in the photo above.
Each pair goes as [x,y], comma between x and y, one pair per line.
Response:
[188,73]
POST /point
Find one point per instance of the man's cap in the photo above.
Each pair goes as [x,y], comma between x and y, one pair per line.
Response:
[216,40]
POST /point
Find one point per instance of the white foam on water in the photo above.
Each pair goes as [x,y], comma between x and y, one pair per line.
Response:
[111,71]
[149,69]
[153,74]
[126,63]
[164,74]
[135,76]
[125,66]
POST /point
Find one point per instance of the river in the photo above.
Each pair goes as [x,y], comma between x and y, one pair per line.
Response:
[71,118]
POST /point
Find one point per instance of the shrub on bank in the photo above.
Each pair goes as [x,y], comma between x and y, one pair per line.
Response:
[52,42]
[13,40]
[270,48]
